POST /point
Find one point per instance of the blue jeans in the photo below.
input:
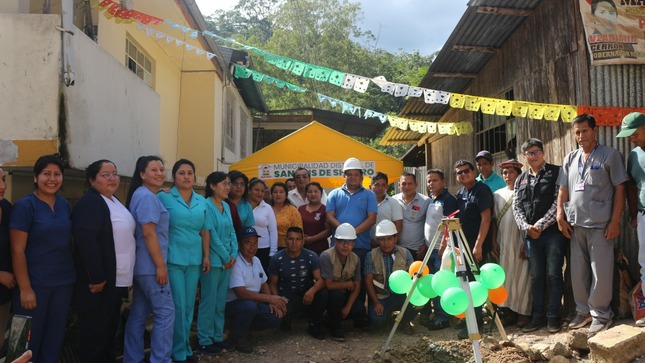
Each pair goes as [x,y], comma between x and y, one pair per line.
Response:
[148,296]
[246,316]
[546,257]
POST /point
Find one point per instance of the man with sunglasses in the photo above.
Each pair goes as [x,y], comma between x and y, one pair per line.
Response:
[590,205]
[534,208]
[475,205]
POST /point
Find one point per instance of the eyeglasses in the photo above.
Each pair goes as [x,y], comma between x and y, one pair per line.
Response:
[462,172]
[529,154]
[343,242]
[238,184]
[303,176]
[106,175]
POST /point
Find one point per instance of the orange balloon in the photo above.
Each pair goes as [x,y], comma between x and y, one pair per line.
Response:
[498,295]
[415,266]
[461,316]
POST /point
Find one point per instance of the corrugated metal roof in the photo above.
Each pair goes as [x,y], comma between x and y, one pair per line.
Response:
[485,23]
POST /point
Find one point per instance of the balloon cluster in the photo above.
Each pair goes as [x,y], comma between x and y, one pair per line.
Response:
[444,283]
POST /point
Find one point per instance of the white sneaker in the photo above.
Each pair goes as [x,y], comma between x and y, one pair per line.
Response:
[640,322]
[598,325]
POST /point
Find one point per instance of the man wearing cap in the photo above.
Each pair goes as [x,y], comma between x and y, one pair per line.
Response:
[484,161]
[250,304]
[534,209]
[388,208]
[340,268]
[298,195]
[294,273]
[442,204]
[379,265]
[633,127]
[414,206]
[590,204]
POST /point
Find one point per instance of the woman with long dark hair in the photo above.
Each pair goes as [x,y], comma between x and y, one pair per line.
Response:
[237,200]
[265,223]
[188,253]
[151,289]
[314,219]
[286,215]
[104,256]
[223,252]
[41,251]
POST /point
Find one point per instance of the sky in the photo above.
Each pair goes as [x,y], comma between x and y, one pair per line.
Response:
[410,25]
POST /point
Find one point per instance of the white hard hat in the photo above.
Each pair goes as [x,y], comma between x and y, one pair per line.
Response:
[385,228]
[352,164]
[345,232]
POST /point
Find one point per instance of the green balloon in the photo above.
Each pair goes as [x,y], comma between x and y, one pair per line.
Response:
[443,280]
[492,275]
[417,298]
[454,301]
[479,293]
[425,286]
[400,282]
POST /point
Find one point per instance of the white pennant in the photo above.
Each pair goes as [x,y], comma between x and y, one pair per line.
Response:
[190,47]
[401,90]
[169,39]
[348,82]
[159,35]
[209,55]
[388,87]
[178,42]
[149,32]
[415,91]
[361,84]
[200,51]
[380,81]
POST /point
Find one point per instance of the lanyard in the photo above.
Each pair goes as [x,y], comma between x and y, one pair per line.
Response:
[582,167]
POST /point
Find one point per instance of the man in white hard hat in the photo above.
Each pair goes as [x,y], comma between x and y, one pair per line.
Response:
[379,265]
[353,204]
[340,268]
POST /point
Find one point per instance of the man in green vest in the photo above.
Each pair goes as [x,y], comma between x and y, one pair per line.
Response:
[340,268]
[379,265]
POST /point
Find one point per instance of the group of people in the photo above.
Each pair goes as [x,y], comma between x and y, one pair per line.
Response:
[259,264]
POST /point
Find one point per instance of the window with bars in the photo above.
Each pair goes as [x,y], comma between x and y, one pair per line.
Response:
[229,125]
[138,62]
[244,121]
[494,133]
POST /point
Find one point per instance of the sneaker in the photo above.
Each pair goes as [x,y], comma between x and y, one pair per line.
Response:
[580,321]
[640,322]
[211,349]
[337,335]
[244,347]
[316,331]
[553,325]
[438,324]
[535,324]
[598,325]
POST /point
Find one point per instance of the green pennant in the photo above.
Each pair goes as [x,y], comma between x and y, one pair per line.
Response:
[336,78]
[297,67]
[310,71]
[257,76]
[242,72]
[322,74]
[280,83]
[294,88]
[269,80]
[284,63]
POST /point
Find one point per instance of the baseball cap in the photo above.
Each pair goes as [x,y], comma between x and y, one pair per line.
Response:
[630,123]
[247,232]
[484,154]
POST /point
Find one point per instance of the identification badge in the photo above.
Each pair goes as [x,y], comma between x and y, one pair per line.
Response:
[580,186]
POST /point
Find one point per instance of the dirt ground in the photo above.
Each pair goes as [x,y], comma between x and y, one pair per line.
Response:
[365,345]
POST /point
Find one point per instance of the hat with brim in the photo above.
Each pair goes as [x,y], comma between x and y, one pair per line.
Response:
[630,123]
[247,232]
[510,164]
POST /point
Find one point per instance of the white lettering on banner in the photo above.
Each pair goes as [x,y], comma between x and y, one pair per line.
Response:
[322,169]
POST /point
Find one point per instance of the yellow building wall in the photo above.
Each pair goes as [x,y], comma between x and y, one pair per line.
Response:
[197,129]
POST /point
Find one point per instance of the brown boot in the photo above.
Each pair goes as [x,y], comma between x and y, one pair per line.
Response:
[522,320]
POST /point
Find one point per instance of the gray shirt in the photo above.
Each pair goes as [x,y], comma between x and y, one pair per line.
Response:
[591,185]
[388,209]
[414,218]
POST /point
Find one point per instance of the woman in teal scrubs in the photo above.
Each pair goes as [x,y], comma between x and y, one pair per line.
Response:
[223,251]
[187,251]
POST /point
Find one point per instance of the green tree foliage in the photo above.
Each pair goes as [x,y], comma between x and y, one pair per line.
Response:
[325,33]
